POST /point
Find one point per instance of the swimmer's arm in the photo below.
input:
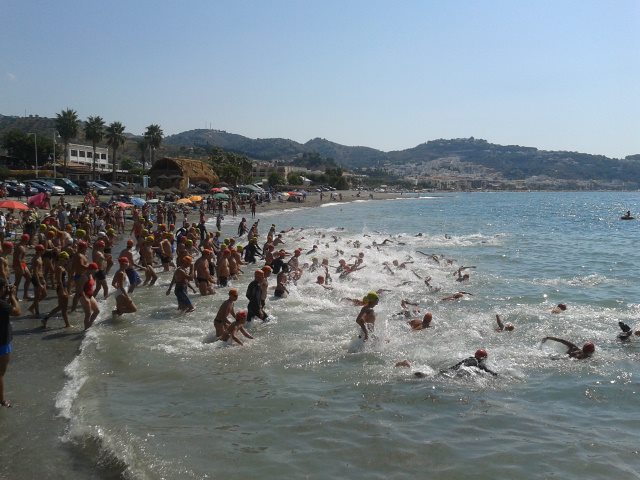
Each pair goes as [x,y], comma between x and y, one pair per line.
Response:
[484,368]
[500,324]
[173,280]
[562,341]
[245,333]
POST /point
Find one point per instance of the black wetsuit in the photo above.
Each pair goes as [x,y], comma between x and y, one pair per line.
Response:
[276,265]
[475,363]
[254,294]
[250,252]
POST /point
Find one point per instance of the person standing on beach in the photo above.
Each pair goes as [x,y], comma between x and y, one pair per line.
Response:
[20,269]
[181,278]
[9,307]
[124,303]
[62,290]
[87,286]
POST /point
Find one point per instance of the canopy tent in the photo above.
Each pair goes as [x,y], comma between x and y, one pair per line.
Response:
[184,201]
[221,196]
[195,198]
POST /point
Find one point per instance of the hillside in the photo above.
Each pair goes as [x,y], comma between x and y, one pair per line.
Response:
[467,156]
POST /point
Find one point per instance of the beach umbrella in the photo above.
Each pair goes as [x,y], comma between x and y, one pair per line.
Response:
[123,205]
[295,194]
[184,201]
[137,201]
[195,198]
[221,196]
[153,200]
[225,189]
[13,204]
[216,190]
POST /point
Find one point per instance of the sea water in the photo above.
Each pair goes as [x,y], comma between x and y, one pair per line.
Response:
[155,402]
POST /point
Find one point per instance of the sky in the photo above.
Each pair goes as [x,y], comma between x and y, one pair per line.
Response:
[556,75]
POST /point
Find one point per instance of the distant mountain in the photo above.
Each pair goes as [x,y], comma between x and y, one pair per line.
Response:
[465,156]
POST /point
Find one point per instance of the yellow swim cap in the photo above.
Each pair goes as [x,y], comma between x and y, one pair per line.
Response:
[80,233]
[370,297]
[63,256]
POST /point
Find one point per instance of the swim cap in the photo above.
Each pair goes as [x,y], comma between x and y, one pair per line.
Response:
[82,245]
[233,292]
[43,227]
[370,297]
[481,353]
[239,248]
[187,259]
[99,244]
[129,243]
[189,242]
[241,315]
[51,233]
[92,266]
[258,273]
[39,248]
[7,245]
[80,233]
[589,347]
[150,238]
[123,260]
[206,251]
[68,227]
[266,269]
[63,256]
[111,231]
[25,237]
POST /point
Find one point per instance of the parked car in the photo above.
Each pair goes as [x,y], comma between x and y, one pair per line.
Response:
[14,188]
[99,188]
[55,189]
[38,187]
[69,187]
[104,183]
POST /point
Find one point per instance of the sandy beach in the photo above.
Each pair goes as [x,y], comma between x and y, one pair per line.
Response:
[36,373]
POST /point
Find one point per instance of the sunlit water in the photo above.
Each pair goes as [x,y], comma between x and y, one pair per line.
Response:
[293,403]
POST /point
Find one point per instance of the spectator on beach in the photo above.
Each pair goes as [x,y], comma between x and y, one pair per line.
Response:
[9,307]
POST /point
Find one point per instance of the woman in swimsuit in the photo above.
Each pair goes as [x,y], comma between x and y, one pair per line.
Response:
[89,303]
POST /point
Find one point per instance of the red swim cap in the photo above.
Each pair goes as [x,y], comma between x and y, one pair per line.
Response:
[39,248]
[99,244]
[82,244]
[123,260]
[92,266]
[481,353]
[589,347]
[25,237]
[7,245]
[241,315]
[129,243]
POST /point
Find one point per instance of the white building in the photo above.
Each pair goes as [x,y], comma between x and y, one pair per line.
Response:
[83,155]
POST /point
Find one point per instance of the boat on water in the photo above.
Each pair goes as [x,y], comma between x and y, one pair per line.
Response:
[627,216]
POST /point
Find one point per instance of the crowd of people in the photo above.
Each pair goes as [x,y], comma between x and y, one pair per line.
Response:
[75,250]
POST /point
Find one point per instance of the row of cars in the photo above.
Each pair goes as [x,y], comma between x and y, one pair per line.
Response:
[59,186]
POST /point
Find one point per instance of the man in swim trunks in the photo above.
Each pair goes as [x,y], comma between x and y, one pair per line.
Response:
[20,268]
[573,350]
[98,257]
[367,317]
[166,255]
[203,276]
[181,278]
[9,307]
[132,275]
[221,322]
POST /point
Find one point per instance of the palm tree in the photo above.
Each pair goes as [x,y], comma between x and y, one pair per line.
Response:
[153,135]
[115,139]
[142,145]
[94,131]
[67,125]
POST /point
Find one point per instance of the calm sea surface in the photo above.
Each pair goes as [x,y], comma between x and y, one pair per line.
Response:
[146,397]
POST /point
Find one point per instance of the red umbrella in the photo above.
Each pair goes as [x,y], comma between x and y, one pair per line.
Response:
[14,204]
[124,205]
[216,190]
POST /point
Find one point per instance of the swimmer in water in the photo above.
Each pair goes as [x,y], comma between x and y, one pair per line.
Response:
[509,327]
[561,307]
[573,350]
[235,327]
[477,361]
[320,281]
[421,324]
[455,296]
[367,317]
[627,332]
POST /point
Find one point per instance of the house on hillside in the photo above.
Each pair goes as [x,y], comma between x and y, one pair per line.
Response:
[180,172]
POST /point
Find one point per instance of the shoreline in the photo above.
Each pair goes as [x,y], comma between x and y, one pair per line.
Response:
[36,372]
